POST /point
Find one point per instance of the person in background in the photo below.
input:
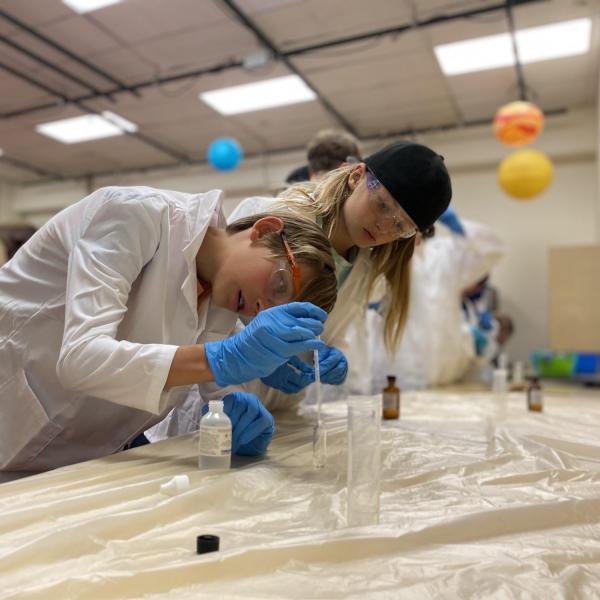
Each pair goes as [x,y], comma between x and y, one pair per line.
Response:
[491,330]
[123,301]
[438,346]
[12,237]
[327,150]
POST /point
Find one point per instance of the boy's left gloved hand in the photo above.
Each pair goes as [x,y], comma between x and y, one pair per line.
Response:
[333,365]
[252,424]
[291,377]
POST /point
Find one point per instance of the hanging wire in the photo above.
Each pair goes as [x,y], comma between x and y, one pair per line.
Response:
[518,66]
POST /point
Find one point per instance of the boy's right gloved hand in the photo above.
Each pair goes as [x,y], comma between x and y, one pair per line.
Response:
[269,340]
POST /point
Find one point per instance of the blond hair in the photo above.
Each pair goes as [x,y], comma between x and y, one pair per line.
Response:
[310,247]
[326,199]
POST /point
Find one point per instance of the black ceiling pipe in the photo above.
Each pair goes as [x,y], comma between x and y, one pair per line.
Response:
[267,43]
[23,26]
[289,53]
[41,60]
[25,166]
[390,134]
[63,100]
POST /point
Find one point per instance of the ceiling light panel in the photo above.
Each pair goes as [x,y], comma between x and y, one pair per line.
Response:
[86,128]
[83,6]
[534,44]
[261,95]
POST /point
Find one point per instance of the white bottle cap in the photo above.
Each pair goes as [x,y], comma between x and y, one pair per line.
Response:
[179,483]
[215,406]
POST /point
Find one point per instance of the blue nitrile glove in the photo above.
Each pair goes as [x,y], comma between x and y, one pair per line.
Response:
[251,423]
[333,366]
[450,219]
[480,339]
[486,321]
[269,340]
[291,377]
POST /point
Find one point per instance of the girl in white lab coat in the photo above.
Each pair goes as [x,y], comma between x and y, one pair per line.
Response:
[122,301]
[438,346]
[371,212]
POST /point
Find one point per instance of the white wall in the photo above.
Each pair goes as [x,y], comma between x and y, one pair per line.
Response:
[562,216]
[568,213]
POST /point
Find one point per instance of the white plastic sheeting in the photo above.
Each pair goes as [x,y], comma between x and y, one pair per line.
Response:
[471,507]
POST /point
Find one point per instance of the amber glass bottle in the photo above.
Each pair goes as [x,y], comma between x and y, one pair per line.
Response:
[534,396]
[391,399]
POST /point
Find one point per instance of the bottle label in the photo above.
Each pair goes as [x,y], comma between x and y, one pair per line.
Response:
[535,398]
[390,401]
[215,441]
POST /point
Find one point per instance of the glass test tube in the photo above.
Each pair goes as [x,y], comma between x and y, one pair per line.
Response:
[319,430]
[364,460]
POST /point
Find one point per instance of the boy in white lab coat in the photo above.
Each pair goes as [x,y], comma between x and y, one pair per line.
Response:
[116,306]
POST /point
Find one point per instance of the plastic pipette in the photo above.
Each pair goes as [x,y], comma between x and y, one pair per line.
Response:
[319,431]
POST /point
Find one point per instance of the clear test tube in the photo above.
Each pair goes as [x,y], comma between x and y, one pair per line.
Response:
[319,430]
[364,460]
[499,389]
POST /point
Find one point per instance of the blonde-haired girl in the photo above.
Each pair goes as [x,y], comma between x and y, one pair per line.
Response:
[372,212]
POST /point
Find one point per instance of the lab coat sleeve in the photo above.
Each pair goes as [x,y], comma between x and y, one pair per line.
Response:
[115,244]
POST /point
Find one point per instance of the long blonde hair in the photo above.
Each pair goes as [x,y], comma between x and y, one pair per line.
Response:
[326,199]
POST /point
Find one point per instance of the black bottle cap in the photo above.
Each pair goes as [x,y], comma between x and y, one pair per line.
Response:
[207,543]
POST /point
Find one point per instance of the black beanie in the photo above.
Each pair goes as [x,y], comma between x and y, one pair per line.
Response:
[417,179]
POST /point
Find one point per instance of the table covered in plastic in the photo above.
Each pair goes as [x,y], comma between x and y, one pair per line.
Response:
[474,504]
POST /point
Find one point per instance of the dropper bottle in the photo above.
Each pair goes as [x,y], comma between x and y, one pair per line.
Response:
[214,447]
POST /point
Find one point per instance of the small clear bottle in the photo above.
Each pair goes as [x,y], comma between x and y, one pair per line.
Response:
[214,447]
[391,399]
[534,396]
[517,379]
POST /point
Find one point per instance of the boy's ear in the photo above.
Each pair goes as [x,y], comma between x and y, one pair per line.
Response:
[264,226]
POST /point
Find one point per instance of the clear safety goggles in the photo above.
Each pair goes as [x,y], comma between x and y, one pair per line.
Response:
[390,217]
[285,282]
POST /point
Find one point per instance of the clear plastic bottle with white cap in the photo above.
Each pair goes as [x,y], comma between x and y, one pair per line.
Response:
[214,447]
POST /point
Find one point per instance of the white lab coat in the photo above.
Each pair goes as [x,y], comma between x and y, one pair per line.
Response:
[437,346]
[92,310]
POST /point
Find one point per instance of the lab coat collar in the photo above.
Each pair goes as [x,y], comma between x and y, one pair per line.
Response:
[202,209]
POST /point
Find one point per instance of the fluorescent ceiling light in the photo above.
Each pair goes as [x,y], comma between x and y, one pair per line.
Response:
[83,6]
[86,127]
[534,44]
[258,96]
[478,54]
[558,40]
